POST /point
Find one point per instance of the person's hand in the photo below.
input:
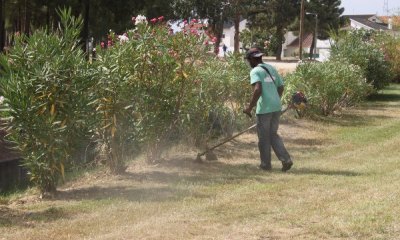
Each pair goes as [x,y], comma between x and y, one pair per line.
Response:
[247,111]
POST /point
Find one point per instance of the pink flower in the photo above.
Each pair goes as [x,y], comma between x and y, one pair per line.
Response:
[123,38]
[133,19]
[185,21]
[160,19]
[214,39]
[154,20]
[205,42]
[109,43]
[194,20]
[102,45]
[193,31]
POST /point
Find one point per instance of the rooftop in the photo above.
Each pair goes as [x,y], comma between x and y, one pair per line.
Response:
[369,20]
[307,41]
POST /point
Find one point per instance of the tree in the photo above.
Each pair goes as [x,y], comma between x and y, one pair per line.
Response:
[276,16]
[235,10]
[205,9]
[23,16]
[328,17]
[2,25]
[217,12]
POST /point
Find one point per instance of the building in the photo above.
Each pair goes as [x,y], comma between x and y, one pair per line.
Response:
[228,35]
[291,46]
[367,22]
[355,22]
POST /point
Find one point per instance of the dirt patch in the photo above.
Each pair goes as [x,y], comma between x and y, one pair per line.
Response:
[283,67]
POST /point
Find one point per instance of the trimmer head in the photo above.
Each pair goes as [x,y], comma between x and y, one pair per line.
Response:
[210,156]
[299,101]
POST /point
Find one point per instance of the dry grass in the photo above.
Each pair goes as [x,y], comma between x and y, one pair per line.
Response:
[345,185]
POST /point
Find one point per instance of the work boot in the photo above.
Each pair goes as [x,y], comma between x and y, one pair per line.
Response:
[265,167]
[286,165]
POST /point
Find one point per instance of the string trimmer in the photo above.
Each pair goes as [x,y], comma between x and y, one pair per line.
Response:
[298,102]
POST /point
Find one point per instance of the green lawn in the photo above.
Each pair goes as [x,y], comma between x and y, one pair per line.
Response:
[345,184]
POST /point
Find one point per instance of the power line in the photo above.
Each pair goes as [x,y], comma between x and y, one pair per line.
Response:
[386,7]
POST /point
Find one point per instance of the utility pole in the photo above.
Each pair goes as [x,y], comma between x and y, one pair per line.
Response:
[301,30]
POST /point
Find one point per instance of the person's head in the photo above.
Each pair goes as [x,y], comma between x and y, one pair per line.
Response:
[254,57]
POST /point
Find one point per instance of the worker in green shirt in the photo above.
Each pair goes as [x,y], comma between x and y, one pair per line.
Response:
[267,92]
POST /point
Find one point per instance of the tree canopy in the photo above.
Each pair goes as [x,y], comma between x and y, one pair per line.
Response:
[275,16]
[272,18]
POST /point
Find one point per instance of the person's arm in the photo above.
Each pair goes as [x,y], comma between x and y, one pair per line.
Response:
[256,95]
[279,83]
[280,90]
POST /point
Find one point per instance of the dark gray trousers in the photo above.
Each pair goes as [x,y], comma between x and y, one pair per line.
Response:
[267,130]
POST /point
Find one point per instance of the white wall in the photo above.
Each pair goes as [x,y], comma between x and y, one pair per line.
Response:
[229,39]
[323,49]
[289,38]
[357,25]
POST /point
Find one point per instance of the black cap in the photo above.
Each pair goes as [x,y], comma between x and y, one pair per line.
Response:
[254,53]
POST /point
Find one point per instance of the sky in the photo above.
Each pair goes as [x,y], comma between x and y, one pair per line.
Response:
[370,7]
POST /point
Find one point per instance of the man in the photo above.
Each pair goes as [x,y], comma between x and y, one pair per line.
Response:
[267,93]
[224,48]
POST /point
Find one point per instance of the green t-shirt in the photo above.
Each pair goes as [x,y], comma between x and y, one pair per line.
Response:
[269,100]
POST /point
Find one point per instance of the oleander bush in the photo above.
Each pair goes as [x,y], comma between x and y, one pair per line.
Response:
[45,79]
[391,49]
[361,48]
[145,90]
[329,86]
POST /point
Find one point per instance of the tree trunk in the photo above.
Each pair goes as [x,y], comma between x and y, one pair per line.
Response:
[280,38]
[236,38]
[312,46]
[27,22]
[2,26]
[86,19]
[48,14]
[19,20]
[219,29]
[85,33]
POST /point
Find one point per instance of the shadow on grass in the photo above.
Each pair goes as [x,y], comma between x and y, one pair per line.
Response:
[352,119]
[391,93]
[376,102]
[12,217]
[171,184]
[178,175]
[129,193]
[384,97]
[305,142]
[309,171]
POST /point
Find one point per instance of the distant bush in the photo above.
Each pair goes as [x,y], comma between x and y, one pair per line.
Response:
[360,48]
[329,86]
[391,49]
